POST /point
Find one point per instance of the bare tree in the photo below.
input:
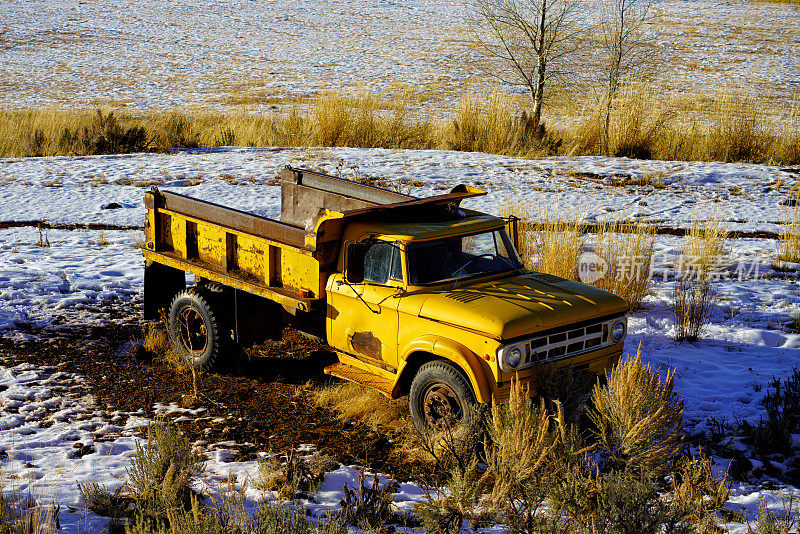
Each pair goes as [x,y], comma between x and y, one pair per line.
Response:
[527,42]
[625,46]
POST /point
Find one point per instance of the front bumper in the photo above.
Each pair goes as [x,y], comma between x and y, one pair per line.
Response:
[597,362]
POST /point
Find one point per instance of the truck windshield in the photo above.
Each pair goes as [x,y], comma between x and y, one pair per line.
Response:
[460,257]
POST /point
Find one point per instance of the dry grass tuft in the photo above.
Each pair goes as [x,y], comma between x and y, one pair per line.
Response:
[636,123]
[483,123]
[693,299]
[789,242]
[365,120]
[354,402]
[158,346]
[704,251]
[292,475]
[549,242]
[627,250]
[738,130]
[701,260]
[638,417]
[22,513]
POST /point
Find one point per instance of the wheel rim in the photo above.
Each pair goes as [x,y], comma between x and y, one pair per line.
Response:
[441,407]
[192,332]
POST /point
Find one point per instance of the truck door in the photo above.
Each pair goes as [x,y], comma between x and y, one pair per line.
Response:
[362,317]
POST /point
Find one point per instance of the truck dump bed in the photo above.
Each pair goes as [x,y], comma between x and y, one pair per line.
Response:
[287,261]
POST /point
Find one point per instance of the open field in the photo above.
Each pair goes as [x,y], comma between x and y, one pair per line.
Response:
[256,55]
[87,282]
[74,405]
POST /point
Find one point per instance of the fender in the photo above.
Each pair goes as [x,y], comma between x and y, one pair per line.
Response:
[459,355]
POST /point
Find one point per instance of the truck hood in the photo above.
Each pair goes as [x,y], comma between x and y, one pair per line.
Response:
[516,306]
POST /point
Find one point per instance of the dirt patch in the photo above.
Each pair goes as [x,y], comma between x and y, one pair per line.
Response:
[262,403]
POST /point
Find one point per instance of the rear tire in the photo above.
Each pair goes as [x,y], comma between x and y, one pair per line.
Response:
[195,328]
[441,399]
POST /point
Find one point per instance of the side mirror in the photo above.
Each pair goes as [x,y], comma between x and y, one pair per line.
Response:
[354,272]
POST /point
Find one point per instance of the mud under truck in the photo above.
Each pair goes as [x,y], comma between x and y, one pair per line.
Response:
[416,296]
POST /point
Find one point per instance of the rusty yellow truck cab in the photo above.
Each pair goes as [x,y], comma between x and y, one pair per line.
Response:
[417,297]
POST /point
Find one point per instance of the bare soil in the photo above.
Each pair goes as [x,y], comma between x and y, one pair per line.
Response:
[262,402]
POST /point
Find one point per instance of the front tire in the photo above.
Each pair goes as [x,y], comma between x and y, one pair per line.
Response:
[441,399]
[195,328]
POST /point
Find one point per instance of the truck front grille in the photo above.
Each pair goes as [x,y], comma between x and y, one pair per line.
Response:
[558,345]
[564,344]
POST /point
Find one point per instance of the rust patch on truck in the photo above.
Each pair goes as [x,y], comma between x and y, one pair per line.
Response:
[367,344]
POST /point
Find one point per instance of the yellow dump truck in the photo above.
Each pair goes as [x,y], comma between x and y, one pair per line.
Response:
[416,296]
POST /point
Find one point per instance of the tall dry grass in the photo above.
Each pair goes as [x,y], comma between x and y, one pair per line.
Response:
[700,262]
[22,510]
[789,237]
[551,237]
[627,250]
[494,123]
[704,249]
[637,122]
[365,120]
[642,123]
[725,126]
[355,402]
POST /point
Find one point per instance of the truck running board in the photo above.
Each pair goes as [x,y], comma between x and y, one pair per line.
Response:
[371,380]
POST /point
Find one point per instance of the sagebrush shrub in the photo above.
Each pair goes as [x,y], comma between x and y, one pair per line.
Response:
[463,498]
[528,452]
[161,470]
[638,417]
[292,475]
[696,494]
[773,432]
[768,522]
[102,501]
[367,506]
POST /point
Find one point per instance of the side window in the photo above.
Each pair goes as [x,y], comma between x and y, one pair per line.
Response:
[377,263]
[397,265]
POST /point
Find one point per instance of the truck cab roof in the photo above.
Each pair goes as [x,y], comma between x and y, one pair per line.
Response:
[419,230]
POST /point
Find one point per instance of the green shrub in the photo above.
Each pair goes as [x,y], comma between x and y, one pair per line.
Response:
[782,405]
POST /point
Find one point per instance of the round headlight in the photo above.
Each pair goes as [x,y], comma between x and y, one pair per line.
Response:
[618,331]
[514,357]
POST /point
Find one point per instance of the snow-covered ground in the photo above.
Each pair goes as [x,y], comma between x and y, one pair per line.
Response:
[216,55]
[722,377]
[212,55]
[54,437]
